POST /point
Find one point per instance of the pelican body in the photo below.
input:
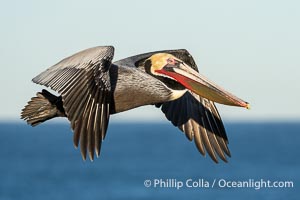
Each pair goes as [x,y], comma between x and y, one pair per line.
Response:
[131,91]
[92,87]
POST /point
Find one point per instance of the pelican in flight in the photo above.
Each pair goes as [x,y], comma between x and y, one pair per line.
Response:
[92,88]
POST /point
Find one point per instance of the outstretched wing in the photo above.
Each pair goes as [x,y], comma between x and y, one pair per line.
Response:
[197,117]
[83,82]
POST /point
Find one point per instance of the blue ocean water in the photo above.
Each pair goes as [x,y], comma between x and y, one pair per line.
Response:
[41,163]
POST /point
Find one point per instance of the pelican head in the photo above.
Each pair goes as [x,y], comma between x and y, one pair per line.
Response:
[177,75]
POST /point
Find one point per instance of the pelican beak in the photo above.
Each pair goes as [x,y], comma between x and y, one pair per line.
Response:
[200,85]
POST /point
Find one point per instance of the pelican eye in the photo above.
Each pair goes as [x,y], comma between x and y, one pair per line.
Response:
[171,61]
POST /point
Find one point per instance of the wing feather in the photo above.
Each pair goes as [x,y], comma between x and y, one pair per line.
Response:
[197,137]
[208,143]
[97,128]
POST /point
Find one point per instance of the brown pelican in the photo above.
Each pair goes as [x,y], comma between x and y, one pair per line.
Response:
[92,88]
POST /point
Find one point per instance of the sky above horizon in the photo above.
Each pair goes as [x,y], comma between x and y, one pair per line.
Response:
[250,48]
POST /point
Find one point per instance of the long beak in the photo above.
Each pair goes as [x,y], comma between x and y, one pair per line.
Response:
[199,84]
